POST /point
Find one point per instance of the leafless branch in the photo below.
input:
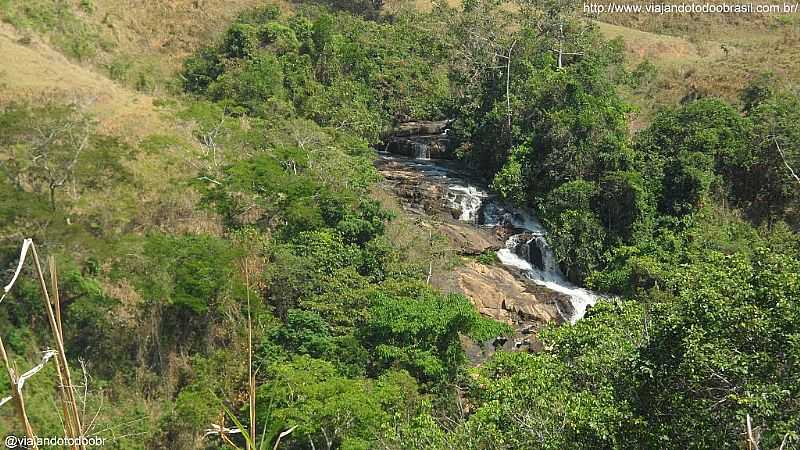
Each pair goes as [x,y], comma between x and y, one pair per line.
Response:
[283,435]
[783,158]
[216,430]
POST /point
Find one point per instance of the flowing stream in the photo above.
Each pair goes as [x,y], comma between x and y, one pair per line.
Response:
[525,249]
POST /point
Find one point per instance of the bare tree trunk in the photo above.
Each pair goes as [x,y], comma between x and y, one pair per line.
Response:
[785,162]
[65,377]
[66,400]
[752,442]
[52,197]
[560,46]
[16,395]
[251,376]
[508,84]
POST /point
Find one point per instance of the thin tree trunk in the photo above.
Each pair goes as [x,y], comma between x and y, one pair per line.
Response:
[785,162]
[61,359]
[69,425]
[52,198]
[16,395]
[508,88]
[251,376]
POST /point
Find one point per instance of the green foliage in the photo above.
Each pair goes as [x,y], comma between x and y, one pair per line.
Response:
[769,190]
[59,21]
[52,146]
[329,409]
[576,232]
[487,258]
[688,147]
[759,89]
[723,348]
[336,69]
[350,345]
[622,201]
[687,180]
[579,239]
[413,328]
[526,396]
[190,273]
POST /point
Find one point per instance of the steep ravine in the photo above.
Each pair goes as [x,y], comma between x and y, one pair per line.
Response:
[524,287]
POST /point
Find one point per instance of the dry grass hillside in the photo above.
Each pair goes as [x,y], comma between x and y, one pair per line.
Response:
[695,54]
[118,56]
[709,55]
[33,67]
[139,44]
[38,42]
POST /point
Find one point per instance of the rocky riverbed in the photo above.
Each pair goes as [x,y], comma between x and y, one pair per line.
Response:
[444,197]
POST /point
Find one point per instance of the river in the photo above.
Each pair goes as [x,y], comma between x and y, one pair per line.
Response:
[526,247]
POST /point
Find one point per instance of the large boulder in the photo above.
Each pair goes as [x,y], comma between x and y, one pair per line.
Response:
[498,293]
[421,127]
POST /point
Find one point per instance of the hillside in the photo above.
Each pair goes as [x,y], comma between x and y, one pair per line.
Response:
[706,55]
[356,224]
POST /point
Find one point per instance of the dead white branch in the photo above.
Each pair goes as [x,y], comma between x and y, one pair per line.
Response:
[220,430]
[752,439]
[283,435]
[23,253]
[785,162]
[47,354]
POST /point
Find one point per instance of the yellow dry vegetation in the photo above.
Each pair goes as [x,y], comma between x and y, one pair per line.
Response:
[161,33]
[158,33]
[34,68]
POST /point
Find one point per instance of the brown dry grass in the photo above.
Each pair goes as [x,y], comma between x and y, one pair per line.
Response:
[156,198]
[711,55]
[35,68]
[707,54]
[158,35]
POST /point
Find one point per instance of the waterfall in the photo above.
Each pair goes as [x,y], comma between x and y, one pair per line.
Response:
[422,151]
[465,199]
[517,253]
[526,249]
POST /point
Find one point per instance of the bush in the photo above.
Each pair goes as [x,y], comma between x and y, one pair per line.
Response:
[622,201]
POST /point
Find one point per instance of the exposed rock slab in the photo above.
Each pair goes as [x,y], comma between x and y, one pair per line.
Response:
[496,293]
[421,127]
[467,239]
[420,139]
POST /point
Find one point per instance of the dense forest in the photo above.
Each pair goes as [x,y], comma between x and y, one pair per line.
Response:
[262,291]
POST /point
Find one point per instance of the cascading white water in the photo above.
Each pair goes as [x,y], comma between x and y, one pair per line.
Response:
[422,151]
[465,199]
[529,240]
[549,277]
[530,252]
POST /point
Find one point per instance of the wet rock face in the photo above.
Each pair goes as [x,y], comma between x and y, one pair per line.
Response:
[415,192]
[420,139]
[421,147]
[525,290]
[422,195]
[529,247]
[421,127]
[420,192]
[468,240]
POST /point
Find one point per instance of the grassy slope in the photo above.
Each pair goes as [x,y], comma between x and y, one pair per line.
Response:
[36,68]
[153,38]
[709,55]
